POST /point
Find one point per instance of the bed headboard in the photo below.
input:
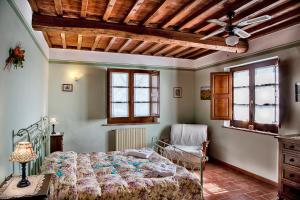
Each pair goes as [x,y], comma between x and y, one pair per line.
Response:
[39,134]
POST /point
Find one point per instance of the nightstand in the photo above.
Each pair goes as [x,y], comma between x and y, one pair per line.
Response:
[10,191]
[56,142]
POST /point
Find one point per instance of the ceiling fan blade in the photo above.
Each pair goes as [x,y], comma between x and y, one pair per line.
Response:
[254,20]
[241,33]
[216,21]
[214,33]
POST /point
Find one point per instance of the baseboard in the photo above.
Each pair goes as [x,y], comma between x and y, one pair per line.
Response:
[247,173]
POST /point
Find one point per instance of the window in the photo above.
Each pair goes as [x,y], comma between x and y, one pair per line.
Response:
[133,96]
[256,96]
[248,96]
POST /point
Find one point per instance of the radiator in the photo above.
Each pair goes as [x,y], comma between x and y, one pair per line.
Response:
[130,138]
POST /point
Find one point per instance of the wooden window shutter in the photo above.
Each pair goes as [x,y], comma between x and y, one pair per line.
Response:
[221,98]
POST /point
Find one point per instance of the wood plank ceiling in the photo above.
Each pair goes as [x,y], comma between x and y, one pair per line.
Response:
[170,28]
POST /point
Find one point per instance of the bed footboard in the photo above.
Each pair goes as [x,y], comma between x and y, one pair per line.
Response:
[187,160]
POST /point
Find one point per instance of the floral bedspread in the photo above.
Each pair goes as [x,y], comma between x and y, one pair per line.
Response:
[114,175]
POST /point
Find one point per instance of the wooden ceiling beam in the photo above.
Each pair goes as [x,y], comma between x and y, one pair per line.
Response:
[223,12]
[109,9]
[164,50]
[205,14]
[111,42]
[90,27]
[58,7]
[176,51]
[133,11]
[47,39]
[84,6]
[125,45]
[184,53]
[276,27]
[157,12]
[153,48]
[183,13]
[33,5]
[63,40]
[97,39]
[139,47]
[79,41]
[149,15]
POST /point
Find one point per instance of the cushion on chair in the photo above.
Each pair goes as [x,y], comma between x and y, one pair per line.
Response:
[188,134]
[185,155]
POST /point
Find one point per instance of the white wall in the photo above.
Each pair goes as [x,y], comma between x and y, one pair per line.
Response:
[109,58]
[23,92]
[82,113]
[253,152]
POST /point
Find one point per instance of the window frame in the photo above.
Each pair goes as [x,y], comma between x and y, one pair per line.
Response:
[131,119]
[256,126]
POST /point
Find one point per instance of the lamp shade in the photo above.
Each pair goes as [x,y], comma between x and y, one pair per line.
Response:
[232,40]
[23,153]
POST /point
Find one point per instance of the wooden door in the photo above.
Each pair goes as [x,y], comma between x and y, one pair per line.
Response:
[221,99]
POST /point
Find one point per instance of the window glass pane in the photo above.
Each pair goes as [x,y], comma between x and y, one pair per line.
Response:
[141,109]
[266,114]
[241,96]
[266,95]
[119,110]
[155,95]
[265,75]
[141,94]
[154,81]
[241,78]
[241,112]
[155,110]
[141,80]
[119,79]
[119,95]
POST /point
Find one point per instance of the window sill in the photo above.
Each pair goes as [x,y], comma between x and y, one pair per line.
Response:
[252,131]
[126,124]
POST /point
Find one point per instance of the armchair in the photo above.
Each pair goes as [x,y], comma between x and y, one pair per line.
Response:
[191,139]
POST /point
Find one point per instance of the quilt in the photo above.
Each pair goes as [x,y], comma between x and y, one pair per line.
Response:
[114,176]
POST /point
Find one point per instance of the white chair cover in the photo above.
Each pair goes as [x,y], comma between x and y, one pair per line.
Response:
[188,134]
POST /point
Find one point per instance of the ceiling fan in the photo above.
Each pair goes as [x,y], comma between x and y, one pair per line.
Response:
[234,31]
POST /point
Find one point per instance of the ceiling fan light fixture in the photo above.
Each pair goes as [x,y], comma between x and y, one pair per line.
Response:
[232,40]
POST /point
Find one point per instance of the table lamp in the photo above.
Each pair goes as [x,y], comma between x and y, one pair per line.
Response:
[23,154]
[53,122]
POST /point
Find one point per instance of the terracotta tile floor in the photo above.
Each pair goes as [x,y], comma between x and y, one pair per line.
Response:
[223,183]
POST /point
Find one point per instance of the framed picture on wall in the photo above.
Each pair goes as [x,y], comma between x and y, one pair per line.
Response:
[205,93]
[297,91]
[177,92]
[67,87]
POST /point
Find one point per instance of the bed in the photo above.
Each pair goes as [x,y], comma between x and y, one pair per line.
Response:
[113,175]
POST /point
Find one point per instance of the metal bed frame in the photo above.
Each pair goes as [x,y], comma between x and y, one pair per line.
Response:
[186,160]
[39,135]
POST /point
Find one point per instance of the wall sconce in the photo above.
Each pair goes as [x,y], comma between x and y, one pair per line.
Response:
[76,76]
